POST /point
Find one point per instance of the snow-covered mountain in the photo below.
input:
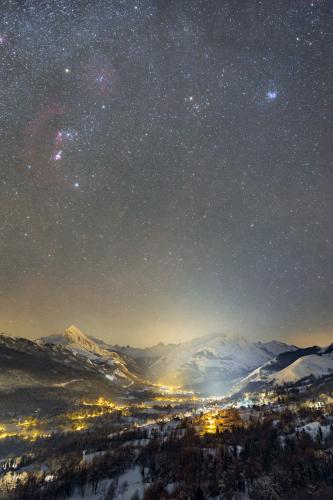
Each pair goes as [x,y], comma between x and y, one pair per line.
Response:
[288,367]
[115,367]
[78,342]
[212,363]
[314,365]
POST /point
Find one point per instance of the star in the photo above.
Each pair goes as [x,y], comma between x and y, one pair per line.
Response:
[271,95]
[59,137]
[57,155]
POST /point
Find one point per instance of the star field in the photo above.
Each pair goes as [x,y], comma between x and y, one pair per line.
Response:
[166,168]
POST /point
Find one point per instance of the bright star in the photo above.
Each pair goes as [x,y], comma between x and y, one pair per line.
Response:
[271,95]
[59,137]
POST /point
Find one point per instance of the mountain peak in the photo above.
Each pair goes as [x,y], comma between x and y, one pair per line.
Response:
[73,327]
[78,341]
[75,333]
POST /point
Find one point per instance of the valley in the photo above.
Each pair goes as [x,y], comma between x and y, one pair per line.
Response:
[153,449]
[80,418]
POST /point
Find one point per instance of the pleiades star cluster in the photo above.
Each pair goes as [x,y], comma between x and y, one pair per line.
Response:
[166,168]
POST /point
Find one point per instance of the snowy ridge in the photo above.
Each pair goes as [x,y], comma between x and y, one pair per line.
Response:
[314,365]
[316,362]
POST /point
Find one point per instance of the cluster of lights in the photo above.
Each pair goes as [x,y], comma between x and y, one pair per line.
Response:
[172,389]
[101,407]
[102,402]
[25,430]
[209,422]
[28,423]
[177,399]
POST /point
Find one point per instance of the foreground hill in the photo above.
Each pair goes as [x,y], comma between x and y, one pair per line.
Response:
[276,452]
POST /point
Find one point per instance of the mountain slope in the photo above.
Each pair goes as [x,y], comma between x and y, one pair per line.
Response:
[288,367]
[313,365]
[211,363]
[275,347]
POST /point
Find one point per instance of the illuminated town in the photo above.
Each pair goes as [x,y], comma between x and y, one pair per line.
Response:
[101,429]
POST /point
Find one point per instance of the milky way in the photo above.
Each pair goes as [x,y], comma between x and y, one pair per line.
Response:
[166,168]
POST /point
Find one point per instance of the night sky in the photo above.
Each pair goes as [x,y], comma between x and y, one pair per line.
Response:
[166,168]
